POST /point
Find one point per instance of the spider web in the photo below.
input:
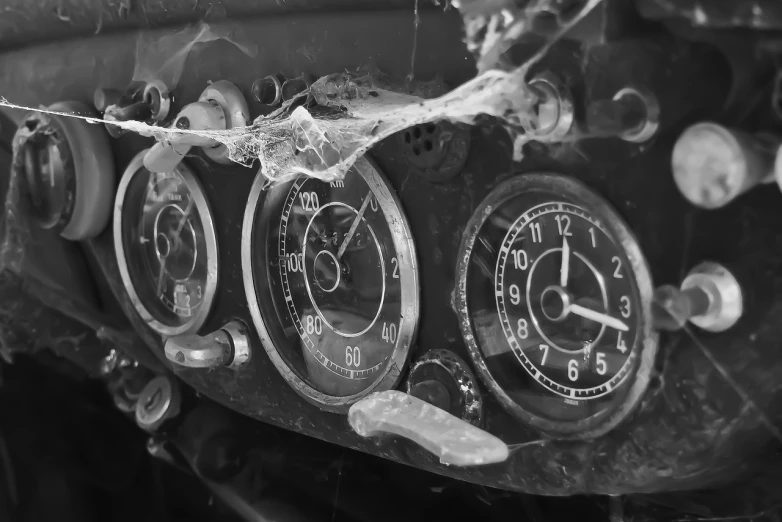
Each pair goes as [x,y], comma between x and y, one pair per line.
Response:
[349,113]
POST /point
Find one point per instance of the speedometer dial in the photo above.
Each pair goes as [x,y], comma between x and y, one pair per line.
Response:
[557,294]
[334,284]
[166,247]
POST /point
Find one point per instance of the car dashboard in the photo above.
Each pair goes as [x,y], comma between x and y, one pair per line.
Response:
[307,219]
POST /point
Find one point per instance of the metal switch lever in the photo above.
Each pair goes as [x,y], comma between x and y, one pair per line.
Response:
[221,106]
[227,347]
[453,440]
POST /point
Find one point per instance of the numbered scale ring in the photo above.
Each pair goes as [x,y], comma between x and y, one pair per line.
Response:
[331,277]
[554,297]
[166,247]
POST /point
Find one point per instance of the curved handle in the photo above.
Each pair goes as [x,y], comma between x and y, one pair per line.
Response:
[194,351]
[453,440]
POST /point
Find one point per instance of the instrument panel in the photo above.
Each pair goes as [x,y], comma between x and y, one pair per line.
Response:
[555,305]
[331,276]
[166,247]
[494,260]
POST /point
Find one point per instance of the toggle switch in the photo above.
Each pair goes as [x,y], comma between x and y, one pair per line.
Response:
[220,107]
[710,297]
[150,103]
[227,347]
[454,441]
[713,165]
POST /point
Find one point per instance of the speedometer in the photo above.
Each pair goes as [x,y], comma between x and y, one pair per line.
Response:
[166,247]
[554,296]
[333,283]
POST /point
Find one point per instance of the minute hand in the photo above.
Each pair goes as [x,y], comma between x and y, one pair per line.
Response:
[598,317]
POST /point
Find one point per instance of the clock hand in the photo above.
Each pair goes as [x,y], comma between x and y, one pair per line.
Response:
[598,317]
[564,270]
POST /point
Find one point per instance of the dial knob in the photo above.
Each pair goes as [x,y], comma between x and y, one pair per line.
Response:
[443,379]
[227,347]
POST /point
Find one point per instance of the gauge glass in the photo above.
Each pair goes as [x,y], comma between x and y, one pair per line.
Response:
[166,247]
[334,283]
[557,294]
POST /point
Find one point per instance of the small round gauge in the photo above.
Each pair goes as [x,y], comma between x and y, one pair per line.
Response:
[554,300]
[332,282]
[166,247]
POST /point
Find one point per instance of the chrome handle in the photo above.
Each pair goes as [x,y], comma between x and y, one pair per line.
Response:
[227,346]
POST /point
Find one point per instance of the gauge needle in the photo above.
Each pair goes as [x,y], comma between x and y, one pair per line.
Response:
[598,317]
[180,226]
[159,288]
[183,219]
[564,270]
[354,226]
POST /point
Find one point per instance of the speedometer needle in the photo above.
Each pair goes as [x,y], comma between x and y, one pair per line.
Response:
[598,317]
[353,226]
[564,269]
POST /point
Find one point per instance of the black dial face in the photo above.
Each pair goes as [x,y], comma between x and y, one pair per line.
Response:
[554,295]
[169,255]
[338,262]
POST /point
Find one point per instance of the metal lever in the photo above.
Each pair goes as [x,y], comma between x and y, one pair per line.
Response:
[227,347]
[221,106]
[153,102]
[453,440]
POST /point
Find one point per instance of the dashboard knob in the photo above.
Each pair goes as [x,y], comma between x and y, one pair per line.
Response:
[443,379]
[710,297]
[221,106]
[67,167]
[159,402]
[228,346]
[713,165]
[453,440]
[633,114]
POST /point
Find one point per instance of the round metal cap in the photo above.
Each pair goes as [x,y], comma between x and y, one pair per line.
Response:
[712,165]
[159,401]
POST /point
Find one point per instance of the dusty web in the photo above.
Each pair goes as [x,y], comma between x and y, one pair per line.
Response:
[353,112]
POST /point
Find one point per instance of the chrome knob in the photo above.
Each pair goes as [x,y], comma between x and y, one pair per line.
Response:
[228,346]
[710,297]
[713,165]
